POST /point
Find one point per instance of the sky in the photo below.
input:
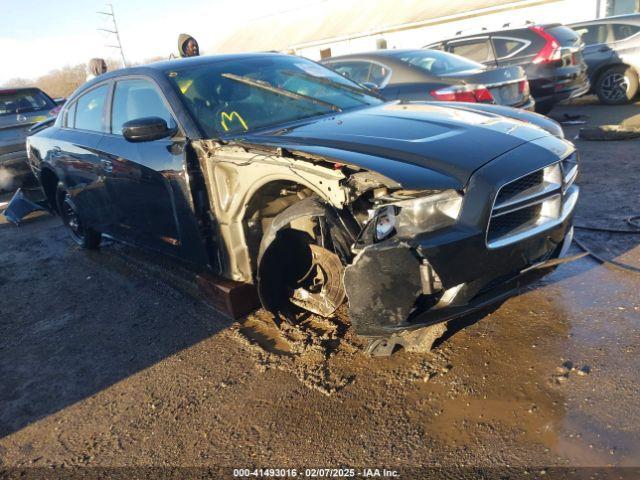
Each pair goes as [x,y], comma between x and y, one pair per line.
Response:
[37,36]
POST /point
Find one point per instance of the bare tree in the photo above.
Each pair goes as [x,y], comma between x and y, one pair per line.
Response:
[63,81]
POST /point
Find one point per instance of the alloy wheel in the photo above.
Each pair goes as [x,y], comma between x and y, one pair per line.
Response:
[615,86]
[72,220]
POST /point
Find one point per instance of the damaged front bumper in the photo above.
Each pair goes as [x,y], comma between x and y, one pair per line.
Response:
[408,283]
[392,287]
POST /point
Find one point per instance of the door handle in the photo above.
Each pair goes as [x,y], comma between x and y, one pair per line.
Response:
[107,166]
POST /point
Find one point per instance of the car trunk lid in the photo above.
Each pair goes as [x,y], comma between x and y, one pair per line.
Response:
[508,85]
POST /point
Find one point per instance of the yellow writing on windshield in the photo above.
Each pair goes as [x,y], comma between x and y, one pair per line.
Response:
[231,117]
[184,85]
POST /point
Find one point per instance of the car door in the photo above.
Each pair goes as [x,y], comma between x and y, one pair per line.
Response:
[145,180]
[597,50]
[76,156]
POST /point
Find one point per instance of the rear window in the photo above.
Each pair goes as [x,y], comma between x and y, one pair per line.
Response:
[13,102]
[479,50]
[622,31]
[438,63]
[508,47]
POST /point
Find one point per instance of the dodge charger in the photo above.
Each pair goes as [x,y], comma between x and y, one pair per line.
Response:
[274,172]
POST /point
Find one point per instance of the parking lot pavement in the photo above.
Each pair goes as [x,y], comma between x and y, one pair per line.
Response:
[107,358]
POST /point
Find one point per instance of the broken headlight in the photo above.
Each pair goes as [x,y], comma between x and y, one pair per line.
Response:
[411,213]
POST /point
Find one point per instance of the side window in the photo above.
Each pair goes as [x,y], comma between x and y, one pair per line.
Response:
[356,71]
[378,74]
[478,50]
[593,34]
[508,47]
[622,31]
[89,110]
[135,99]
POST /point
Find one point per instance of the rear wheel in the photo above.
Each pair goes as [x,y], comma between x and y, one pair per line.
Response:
[544,108]
[617,86]
[81,235]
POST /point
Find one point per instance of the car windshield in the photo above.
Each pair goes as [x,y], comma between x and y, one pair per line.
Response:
[438,63]
[13,102]
[229,97]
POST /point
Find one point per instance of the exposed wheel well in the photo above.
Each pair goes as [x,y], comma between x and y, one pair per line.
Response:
[265,204]
[49,181]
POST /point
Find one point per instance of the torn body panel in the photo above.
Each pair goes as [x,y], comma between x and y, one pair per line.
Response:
[24,202]
[234,175]
[382,284]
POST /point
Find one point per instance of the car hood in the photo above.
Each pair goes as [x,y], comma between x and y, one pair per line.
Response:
[452,142]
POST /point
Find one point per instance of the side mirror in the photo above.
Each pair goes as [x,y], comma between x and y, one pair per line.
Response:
[146,129]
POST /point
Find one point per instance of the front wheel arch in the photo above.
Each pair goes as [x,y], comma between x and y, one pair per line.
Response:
[283,245]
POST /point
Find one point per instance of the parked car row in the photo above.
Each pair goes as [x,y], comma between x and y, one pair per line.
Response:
[274,172]
[433,75]
[537,66]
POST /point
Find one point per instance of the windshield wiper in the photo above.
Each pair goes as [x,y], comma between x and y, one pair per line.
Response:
[327,81]
[280,91]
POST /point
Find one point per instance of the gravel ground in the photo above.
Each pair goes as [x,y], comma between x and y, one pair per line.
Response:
[110,359]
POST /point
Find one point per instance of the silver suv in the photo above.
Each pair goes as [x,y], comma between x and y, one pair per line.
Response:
[612,54]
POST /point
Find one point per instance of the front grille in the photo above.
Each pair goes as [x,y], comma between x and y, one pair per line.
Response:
[511,222]
[518,187]
[532,203]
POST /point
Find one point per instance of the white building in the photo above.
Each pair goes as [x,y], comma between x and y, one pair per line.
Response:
[337,27]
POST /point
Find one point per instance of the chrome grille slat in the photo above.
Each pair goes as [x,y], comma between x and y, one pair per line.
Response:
[532,203]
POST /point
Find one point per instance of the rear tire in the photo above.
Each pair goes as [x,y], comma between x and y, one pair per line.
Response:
[83,236]
[543,108]
[617,86]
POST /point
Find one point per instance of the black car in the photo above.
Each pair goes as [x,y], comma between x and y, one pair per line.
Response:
[20,109]
[274,171]
[551,56]
[434,75]
[612,54]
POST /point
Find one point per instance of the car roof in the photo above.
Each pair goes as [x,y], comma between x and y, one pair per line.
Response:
[18,89]
[393,53]
[157,68]
[495,32]
[634,17]
[179,63]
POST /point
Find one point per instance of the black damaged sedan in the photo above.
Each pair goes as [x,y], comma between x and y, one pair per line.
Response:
[272,171]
